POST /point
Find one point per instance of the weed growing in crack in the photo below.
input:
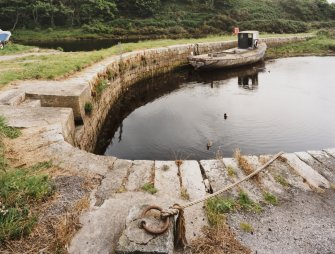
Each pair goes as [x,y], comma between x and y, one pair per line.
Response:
[150,188]
[270,198]
[184,194]
[88,108]
[282,181]
[246,227]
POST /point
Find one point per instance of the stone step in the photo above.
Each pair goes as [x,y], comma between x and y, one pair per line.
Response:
[31,103]
[326,159]
[193,185]
[313,178]
[317,165]
[330,151]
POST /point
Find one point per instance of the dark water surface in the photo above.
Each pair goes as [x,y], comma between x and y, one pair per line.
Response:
[286,104]
[78,45]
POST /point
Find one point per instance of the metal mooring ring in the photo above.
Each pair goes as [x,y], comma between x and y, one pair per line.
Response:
[153,231]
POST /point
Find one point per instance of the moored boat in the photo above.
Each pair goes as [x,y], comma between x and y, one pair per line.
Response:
[4,38]
[249,51]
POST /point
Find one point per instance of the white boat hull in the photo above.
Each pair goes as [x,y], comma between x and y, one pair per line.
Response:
[229,58]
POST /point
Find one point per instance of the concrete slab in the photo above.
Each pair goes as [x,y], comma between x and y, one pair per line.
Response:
[167,179]
[140,173]
[317,165]
[326,159]
[309,174]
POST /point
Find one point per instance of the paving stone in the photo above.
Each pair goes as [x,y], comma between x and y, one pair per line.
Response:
[218,176]
[248,186]
[317,165]
[284,174]
[310,175]
[140,173]
[167,180]
[326,159]
[113,181]
[266,180]
[193,183]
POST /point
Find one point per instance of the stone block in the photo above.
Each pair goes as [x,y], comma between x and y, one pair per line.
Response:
[137,240]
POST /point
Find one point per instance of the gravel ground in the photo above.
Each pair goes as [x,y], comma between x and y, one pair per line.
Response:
[304,223]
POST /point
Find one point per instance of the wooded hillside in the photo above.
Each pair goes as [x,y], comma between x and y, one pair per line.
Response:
[167,17]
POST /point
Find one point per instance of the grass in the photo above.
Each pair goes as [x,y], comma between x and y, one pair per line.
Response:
[218,206]
[166,167]
[88,107]
[102,85]
[8,131]
[184,194]
[246,227]
[20,189]
[231,171]
[57,66]
[320,45]
[282,181]
[150,188]
[12,48]
[270,198]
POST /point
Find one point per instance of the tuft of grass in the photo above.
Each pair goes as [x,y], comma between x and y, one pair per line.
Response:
[102,85]
[231,171]
[19,190]
[246,203]
[179,163]
[246,227]
[166,168]
[13,48]
[282,181]
[9,132]
[216,208]
[88,108]
[184,194]
[150,188]
[270,198]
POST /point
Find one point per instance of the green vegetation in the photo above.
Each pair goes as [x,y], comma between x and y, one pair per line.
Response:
[49,20]
[102,85]
[9,132]
[12,48]
[216,207]
[150,188]
[281,180]
[20,190]
[270,198]
[321,45]
[88,108]
[231,171]
[246,227]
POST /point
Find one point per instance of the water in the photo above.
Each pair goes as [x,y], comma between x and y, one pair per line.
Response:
[77,45]
[288,105]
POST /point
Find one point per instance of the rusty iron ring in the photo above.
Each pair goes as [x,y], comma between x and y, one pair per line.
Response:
[153,231]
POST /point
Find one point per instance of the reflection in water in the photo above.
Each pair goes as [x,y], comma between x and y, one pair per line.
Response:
[201,114]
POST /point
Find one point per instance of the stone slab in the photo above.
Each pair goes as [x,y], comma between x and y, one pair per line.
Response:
[136,240]
[326,159]
[317,165]
[309,174]
[284,173]
[140,173]
[28,117]
[218,176]
[192,181]
[330,151]
[167,180]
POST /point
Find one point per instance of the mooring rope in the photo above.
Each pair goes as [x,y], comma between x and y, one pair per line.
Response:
[178,210]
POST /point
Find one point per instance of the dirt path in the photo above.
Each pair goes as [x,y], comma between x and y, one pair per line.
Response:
[12,57]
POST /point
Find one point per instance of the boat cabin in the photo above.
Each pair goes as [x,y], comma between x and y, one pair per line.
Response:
[4,37]
[248,39]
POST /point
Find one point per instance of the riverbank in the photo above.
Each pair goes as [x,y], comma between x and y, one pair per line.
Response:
[58,66]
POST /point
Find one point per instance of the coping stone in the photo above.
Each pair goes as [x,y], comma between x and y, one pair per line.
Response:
[139,174]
